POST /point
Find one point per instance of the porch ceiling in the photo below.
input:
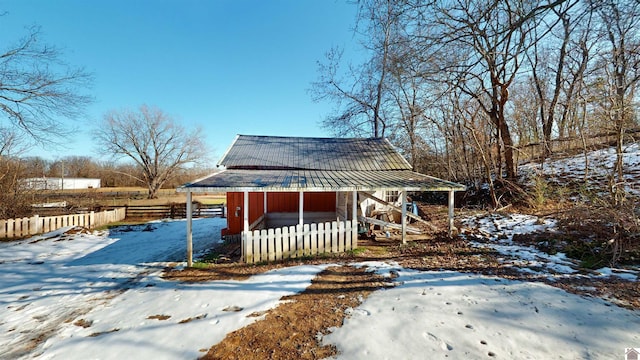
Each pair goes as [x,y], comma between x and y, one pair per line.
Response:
[318,180]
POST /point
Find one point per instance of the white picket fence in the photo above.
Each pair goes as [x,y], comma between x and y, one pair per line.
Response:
[287,242]
[16,228]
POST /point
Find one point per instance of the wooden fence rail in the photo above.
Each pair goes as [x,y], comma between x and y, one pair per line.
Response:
[16,228]
[173,211]
[268,245]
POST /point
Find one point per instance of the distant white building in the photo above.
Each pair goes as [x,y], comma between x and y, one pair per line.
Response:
[61,183]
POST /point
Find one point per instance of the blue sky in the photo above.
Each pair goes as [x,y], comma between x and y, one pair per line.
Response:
[229,66]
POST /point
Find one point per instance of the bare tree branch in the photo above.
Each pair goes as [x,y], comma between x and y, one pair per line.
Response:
[38,89]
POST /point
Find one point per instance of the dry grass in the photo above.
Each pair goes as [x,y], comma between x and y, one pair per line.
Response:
[121,196]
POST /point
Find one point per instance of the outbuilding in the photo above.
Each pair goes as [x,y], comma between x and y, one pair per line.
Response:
[298,196]
[57,183]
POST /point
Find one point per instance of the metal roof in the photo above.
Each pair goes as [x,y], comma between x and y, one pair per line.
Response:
[337,154]
[318,180]
[273,163]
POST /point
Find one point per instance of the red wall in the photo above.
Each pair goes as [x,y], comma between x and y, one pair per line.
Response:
[276,202]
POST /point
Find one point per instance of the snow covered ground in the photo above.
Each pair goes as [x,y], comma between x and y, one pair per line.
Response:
[440,314]
[100,296]
[600,164]
[446,314]
[497,233]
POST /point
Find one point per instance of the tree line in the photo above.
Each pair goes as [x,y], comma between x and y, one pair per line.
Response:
[110,173]
[16,197]
[468,89]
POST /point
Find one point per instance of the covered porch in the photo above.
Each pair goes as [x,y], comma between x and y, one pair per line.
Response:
[312,228]
[274,236]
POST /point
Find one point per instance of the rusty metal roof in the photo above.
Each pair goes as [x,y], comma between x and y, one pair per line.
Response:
[318,180]
[305,153]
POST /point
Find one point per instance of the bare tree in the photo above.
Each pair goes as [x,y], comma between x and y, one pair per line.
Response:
[558,62]
[361,94]
[38,89]
[483,45]
[10,142]
[621,63]
[408,92]
[15,199]
[157,144]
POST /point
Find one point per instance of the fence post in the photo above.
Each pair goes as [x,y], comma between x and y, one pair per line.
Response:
[341,235]
[279,244]
[314,239]
[11,226]
[286,250]
[264,252]
[25,227]
[293,242]
[299,241]
[255,245]
[334,236]
[321,238]
[307,239]
[247,247]
[34,225]
[271,246]
[348,236]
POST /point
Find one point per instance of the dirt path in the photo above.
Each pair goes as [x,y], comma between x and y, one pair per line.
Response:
[293,329]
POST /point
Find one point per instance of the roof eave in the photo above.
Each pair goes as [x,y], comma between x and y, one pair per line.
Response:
[211,189]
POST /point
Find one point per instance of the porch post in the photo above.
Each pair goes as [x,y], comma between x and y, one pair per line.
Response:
[301,209]
[245,211]
[189,231]
[264,211]
[403,193]
[346,205]
[451,206]
[354,221]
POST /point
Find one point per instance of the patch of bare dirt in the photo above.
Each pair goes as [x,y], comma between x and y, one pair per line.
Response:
[83,323]
[293,330]
[96,334]
[188,320]
[228,271]
[78,230]
[621,292]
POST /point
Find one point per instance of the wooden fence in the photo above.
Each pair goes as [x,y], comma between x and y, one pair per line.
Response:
[173,211]
[297,241]
[16,228]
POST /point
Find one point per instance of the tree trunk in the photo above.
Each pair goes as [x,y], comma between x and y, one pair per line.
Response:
[154,187]
[508,149]
[503,137]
